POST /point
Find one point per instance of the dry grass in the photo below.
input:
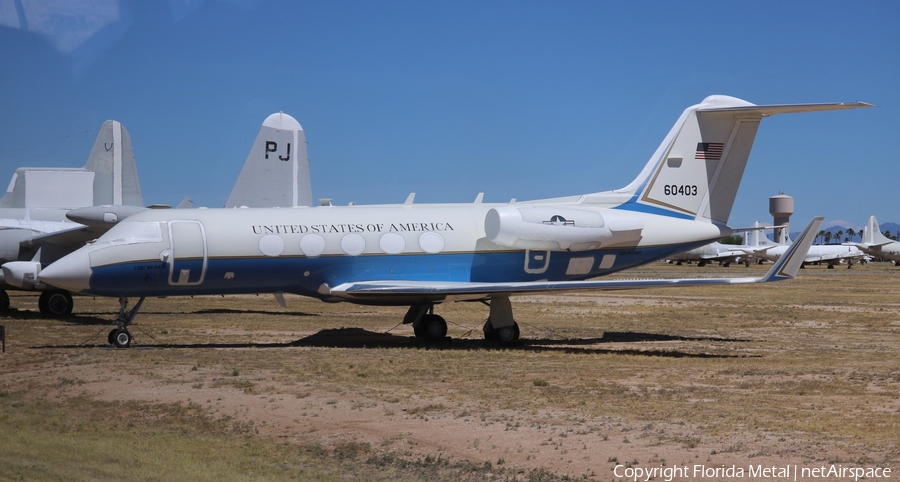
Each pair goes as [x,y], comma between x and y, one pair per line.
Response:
[799,371]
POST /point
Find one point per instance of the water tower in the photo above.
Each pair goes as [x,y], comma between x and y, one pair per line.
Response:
[781,206]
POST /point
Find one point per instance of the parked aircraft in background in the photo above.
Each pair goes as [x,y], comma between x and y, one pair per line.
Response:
[422,255]
[716,252]
[876,244]
[724,254]
[33,225]
[759,246]
[39,224]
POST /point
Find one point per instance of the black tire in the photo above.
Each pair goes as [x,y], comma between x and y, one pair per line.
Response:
[111,337]
[434,327]
[4,300]
[122,338]
[508,334]
[55,303]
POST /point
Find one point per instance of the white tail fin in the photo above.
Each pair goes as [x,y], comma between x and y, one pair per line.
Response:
[276,172]
[115,172]
[696,171]
[872,235]
[108,178]
[757,237]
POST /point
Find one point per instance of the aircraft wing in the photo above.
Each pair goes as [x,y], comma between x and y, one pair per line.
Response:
[868,245]
[786,268]
[75,236]
[55,245]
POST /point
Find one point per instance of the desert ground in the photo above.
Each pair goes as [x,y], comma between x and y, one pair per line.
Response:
[802,374]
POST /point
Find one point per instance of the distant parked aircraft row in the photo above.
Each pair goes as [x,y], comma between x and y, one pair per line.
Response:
[758,247]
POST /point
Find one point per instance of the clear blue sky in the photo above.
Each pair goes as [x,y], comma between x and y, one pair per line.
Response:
[520,99]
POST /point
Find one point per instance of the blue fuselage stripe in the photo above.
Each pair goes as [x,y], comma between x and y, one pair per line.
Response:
[304,276]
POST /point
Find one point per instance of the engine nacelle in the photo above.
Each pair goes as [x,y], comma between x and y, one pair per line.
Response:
[10,240]
[22,274]
[545,228]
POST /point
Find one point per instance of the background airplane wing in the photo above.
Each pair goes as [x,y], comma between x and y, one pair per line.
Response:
[73,237]
[786,268]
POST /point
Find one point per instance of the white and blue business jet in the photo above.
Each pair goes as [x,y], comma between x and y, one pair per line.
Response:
[420,255]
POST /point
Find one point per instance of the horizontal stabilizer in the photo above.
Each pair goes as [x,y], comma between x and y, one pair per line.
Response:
[767,110]
[696,171]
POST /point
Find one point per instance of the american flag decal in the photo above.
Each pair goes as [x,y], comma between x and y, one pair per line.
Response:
[711,151]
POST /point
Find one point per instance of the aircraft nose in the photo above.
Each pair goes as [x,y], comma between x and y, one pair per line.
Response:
[71,272]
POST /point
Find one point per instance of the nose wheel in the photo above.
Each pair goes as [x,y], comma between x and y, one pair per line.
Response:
[121,337]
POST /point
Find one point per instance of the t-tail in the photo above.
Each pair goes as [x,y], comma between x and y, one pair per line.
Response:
[696,171]
[276,172]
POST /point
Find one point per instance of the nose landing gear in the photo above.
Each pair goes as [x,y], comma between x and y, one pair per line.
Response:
[121,337]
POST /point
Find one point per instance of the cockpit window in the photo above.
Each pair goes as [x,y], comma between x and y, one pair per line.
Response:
[133,232]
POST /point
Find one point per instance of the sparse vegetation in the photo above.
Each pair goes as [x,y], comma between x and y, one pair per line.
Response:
[795,369]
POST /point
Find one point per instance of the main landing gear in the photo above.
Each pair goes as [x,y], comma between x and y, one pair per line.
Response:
[121,337]
[500,325]
[55,303]
[426,325]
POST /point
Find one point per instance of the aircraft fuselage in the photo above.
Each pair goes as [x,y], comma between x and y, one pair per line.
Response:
[306,250]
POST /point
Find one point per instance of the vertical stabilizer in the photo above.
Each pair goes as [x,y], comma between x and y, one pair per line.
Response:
[276,172]
[115,172]
[873,235]
[108,178]
[756,237]
[696,171]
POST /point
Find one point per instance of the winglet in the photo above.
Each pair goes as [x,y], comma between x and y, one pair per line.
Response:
[790,262]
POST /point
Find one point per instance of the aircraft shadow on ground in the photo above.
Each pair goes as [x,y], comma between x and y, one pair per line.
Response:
[219,311]
[364,339]
[16,314]
[108,318]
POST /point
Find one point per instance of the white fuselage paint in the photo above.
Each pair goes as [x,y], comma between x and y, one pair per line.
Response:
[236,233]
[269,250]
